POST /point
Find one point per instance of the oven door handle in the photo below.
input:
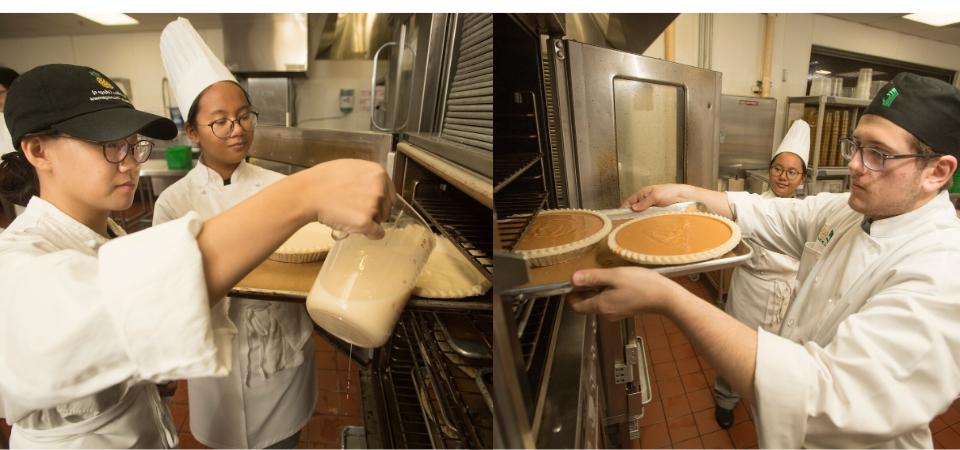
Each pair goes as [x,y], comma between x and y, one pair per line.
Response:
[373,87]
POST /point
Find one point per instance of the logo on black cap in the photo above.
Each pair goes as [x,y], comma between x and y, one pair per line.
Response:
[890,97]
[100,79]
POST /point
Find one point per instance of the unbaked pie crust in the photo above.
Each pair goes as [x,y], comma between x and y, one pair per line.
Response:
[448,274]
[310,243]
[558,235]
[674,237]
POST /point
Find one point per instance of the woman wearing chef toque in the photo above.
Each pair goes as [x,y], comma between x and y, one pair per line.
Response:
[91,318]
[270,392]
[761,288]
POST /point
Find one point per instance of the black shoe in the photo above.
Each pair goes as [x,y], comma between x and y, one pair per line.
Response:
[724,417]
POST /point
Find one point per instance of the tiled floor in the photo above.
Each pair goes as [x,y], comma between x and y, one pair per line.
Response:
[334,410]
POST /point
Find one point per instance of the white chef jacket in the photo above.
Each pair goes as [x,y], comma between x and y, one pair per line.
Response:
[869,352]
[761,288]
[6,141]
[271,393]
[87,325]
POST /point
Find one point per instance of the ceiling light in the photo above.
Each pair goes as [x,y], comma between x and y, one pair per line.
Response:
[110,19]
[822,72]
[935,19]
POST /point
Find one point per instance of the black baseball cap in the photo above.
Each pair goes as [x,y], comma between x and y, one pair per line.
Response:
[926,107]
[79,101]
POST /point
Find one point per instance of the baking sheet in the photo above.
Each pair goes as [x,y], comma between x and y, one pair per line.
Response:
[555,279]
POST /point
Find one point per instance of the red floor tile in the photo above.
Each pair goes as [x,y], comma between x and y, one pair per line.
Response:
[740,413]
[704,363]
[706,423]
[659,355]
[675,406]
[683,351]
[677,339]
[717,439]
[743,434]
[700,400]
[326,361]
[948,437]
[665,371]
[682,428]
[654,436]
[652,413]
[188,441]
[951,416]
[693,382]
[687,366]
[937,424]
[671,388]
[690,443]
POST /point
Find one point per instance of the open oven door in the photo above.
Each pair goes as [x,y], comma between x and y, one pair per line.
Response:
[627,121]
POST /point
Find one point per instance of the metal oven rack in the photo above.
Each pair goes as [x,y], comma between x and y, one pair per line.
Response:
[460,219]
[439,398]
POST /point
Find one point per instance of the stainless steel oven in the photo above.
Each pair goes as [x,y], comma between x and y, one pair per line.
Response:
[589,125]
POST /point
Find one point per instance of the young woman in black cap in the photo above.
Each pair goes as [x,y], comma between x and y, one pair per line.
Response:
[90,318]
[868,352]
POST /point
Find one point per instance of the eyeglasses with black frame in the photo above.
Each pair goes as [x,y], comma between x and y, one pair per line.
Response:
[872,157]
[223,128]
[114,151]
[777,170]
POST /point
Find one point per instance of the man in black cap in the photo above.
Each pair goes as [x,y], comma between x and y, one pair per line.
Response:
[868,352]
[90,317]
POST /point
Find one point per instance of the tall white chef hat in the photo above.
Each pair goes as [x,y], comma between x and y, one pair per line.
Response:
[191,66]
[796,141]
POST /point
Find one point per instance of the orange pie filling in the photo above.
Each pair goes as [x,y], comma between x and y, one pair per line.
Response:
[552,230]
[674,234]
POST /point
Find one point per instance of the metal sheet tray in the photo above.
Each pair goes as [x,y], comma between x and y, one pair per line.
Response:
[555,279]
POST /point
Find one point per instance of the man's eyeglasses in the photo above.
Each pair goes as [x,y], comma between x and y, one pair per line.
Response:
[223,128]
[873,158]
[778,170]
[115,151]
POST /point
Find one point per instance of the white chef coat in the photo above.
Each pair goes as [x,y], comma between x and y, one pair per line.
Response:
[761,288]
[6,141]
[869,352]
[87,325]
[271,393]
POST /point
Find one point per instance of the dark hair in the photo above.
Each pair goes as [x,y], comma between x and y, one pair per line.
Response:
[7,75]
[804,166]
[18,178]
[195,107]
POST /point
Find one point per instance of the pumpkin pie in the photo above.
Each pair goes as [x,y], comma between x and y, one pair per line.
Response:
[310,243]
[557,235]
[674,238]
[448,274]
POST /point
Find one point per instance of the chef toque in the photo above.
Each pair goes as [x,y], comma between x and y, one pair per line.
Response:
[796,141]
[191,66]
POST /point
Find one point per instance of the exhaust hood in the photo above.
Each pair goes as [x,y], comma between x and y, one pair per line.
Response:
[265,43]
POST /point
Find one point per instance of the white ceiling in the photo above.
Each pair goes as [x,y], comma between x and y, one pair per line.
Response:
[33,25]
[949,34]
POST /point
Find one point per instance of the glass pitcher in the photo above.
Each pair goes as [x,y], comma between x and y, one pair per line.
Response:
[364,284]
